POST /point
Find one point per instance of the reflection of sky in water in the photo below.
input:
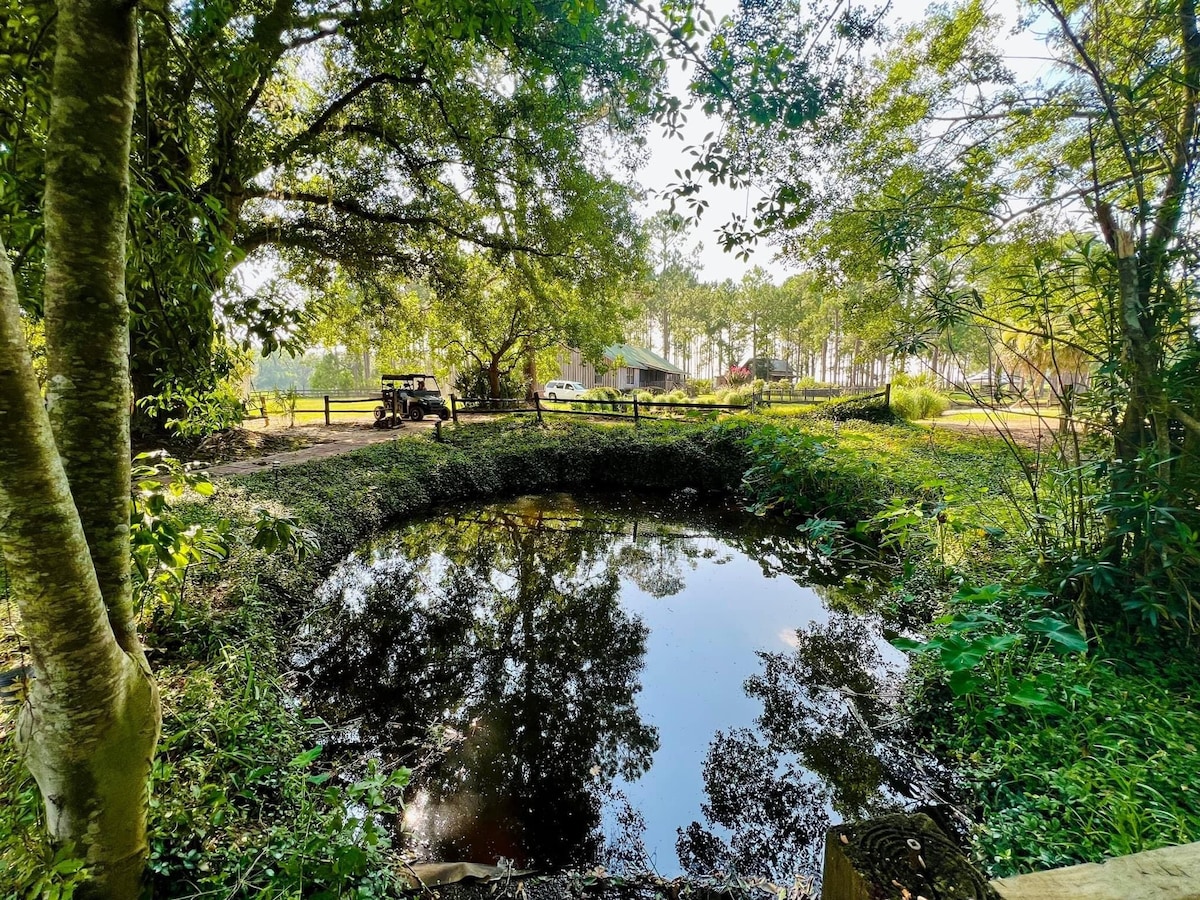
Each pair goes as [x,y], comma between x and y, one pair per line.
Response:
[700,651]
[715,610]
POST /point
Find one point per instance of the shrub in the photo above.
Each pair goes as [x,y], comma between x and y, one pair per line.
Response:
[733,397]
[918,402]
[864,409]
[809,382]
[738,375]
[474,383]
[701,385]
[923,379]
[603,393]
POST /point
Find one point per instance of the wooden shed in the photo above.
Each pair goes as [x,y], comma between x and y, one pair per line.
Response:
[627,368]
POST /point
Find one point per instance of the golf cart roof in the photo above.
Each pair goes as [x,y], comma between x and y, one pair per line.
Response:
[406,377]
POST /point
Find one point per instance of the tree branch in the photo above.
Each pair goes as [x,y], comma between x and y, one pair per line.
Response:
[321,122]
[1106,97]
[1190,423]
[352,207]
[1171,201]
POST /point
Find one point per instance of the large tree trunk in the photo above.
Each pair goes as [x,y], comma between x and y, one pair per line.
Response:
[91,724]
[531,374]
[493,374]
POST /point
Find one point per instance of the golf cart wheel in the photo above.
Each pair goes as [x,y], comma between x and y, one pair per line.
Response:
[380,412]
[416,414]
[443,414]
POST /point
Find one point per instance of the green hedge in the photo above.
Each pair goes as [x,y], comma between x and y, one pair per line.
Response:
[866,408]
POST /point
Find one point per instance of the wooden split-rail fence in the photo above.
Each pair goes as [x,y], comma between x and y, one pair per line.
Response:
[634,408]
[334,403]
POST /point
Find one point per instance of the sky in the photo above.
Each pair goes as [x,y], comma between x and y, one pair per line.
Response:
[667,154]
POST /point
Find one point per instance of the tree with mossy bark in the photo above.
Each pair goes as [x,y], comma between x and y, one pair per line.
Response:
[90,724]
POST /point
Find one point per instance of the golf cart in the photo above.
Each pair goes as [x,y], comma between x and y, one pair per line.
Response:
[413,397]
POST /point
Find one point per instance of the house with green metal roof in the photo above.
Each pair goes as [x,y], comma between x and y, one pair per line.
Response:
[769,369]
[626,367]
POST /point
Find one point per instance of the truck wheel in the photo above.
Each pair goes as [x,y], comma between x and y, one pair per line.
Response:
[443,414]
[416,414]
[553,396]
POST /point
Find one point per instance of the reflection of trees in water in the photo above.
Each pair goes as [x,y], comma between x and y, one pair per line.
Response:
[501,628]
[518,643]
[769,796]
[775,816]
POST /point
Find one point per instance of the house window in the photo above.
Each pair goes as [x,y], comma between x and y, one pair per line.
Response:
[630,377]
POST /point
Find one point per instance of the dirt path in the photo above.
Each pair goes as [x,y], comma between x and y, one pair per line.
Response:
[1026,429]
[327,441]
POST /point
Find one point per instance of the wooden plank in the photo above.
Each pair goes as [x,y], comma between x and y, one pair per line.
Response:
[1171,873]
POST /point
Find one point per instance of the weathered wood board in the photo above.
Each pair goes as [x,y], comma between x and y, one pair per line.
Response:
[1172,873]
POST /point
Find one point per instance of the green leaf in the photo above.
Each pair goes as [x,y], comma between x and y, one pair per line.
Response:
[1062,633]
[1030,696]
[963,682]
[306,758]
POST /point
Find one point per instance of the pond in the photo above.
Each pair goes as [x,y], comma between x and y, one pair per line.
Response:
[660,683]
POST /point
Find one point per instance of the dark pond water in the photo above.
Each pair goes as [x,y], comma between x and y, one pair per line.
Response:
[634,683]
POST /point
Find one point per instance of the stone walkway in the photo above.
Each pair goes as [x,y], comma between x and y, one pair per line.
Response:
[328,441]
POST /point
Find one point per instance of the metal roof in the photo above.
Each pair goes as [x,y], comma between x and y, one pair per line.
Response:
[781,366]
[638,358]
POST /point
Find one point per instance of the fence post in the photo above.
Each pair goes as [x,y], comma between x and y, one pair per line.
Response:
[635,409]
[537,405]
[887,395]
[395,393]
[903,854]
[326,410]
[454,408]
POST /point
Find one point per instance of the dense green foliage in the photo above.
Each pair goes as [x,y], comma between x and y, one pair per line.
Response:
[379,141]
[983,253]
[1109,773]
[447,172]
[1064,756]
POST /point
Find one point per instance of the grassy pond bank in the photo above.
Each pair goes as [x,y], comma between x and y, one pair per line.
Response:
[1061,750]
